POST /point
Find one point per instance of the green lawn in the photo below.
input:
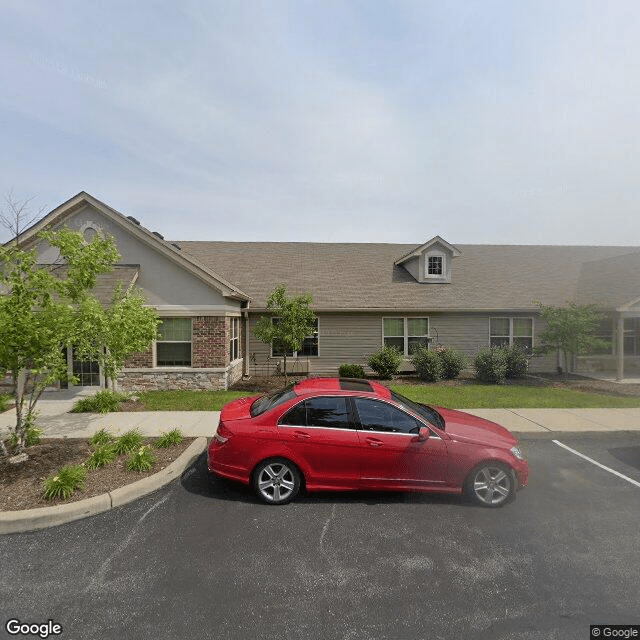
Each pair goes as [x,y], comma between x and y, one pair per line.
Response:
[460,397]
[189,400]
[475,396]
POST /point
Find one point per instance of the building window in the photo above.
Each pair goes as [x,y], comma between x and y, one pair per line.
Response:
[309,345]
[173,347]
[405,334]
[509,331]
[434,266]
[234,343]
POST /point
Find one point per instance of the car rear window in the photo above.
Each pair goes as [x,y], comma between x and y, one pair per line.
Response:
[265,403]
[329,412]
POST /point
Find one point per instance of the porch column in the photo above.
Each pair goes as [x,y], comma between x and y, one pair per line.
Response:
[620,347]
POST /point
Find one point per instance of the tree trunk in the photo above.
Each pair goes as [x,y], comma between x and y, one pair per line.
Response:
[284,357]
[565,354]
[20,382]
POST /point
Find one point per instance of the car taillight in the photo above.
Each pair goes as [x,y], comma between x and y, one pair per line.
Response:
[222,433]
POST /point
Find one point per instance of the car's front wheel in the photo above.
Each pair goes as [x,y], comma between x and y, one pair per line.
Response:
[277,481]
[491,484]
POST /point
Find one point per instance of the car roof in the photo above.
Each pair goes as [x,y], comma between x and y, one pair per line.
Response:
[345,385]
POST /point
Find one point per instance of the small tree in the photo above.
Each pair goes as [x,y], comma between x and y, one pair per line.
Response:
[109,335]
[571,330]
[40,313]
[289,323]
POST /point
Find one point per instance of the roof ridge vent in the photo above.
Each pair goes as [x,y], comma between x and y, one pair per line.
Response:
[158,235]
[176,245]
[134,220]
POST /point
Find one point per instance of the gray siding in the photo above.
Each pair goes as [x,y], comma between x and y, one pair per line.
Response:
[163,281]
[351,339]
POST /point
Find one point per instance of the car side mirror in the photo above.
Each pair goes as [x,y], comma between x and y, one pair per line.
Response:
[423,435]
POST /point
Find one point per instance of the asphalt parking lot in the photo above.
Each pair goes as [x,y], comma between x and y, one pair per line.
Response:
[206,560]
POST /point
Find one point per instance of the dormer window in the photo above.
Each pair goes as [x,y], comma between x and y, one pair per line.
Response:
[434,265]
[430,262]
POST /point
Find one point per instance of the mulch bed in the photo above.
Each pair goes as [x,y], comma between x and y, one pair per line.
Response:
[21,484]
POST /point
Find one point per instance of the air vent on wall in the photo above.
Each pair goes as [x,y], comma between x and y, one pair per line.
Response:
[133,220]
[158,235]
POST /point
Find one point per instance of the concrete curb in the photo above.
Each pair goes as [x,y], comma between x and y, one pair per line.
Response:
[32,519]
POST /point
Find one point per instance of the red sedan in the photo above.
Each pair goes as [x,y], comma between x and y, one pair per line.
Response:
[342,434]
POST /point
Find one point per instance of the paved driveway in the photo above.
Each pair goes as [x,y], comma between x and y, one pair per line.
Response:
[207,561]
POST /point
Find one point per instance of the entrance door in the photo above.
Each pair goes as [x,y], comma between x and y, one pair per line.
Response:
[86,371]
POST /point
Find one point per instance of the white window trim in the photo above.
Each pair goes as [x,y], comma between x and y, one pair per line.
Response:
[511,336]
[235,338]
[155,349]
[295,353]
[425,265]
[406,335]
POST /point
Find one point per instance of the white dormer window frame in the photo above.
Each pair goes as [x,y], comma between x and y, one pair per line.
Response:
[443,265]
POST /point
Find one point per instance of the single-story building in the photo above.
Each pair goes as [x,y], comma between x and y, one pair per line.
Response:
[210,294]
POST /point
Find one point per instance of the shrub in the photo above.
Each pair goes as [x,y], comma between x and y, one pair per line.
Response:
[102,456]
[170,438]
[452,361]
[100,438]
[5,400]
[141,460]
[102,402]
[428,364]
[32,434]
[386,361]
[65,482]
[490,364]
[351,371]
[127,442]
[517,361]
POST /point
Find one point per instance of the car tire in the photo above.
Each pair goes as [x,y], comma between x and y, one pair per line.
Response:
[491,484]
[277,481]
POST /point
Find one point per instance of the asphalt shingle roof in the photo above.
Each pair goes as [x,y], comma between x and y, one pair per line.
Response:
[362,276]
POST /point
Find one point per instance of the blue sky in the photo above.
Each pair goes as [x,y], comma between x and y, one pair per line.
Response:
[484,122]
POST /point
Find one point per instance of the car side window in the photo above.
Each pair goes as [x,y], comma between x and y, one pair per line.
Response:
[296,416]
[328,412]
[380,416]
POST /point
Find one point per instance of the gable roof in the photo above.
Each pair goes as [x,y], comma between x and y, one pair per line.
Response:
[356,276]
[166,248]
[423,247]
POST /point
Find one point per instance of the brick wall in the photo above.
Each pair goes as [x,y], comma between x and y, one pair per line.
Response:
[142,360]
[210,342]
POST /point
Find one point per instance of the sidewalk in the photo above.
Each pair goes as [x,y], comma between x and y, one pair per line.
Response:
[528,421]
[56,421]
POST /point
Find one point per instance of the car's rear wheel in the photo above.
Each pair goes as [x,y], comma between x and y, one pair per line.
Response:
[277,481]
[491,484]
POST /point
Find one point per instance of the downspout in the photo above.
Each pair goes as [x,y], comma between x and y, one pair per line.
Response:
[245,360]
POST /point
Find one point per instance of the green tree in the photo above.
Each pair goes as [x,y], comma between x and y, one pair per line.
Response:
[289,323]
[46,308]
[110,334]
[571,330]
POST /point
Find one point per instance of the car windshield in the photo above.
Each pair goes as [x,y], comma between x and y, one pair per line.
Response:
[427,412]
[272,400]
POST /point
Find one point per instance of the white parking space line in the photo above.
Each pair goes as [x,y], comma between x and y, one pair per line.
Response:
[581,455]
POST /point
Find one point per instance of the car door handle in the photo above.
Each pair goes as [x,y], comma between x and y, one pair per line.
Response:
[374,442]
[301,435]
